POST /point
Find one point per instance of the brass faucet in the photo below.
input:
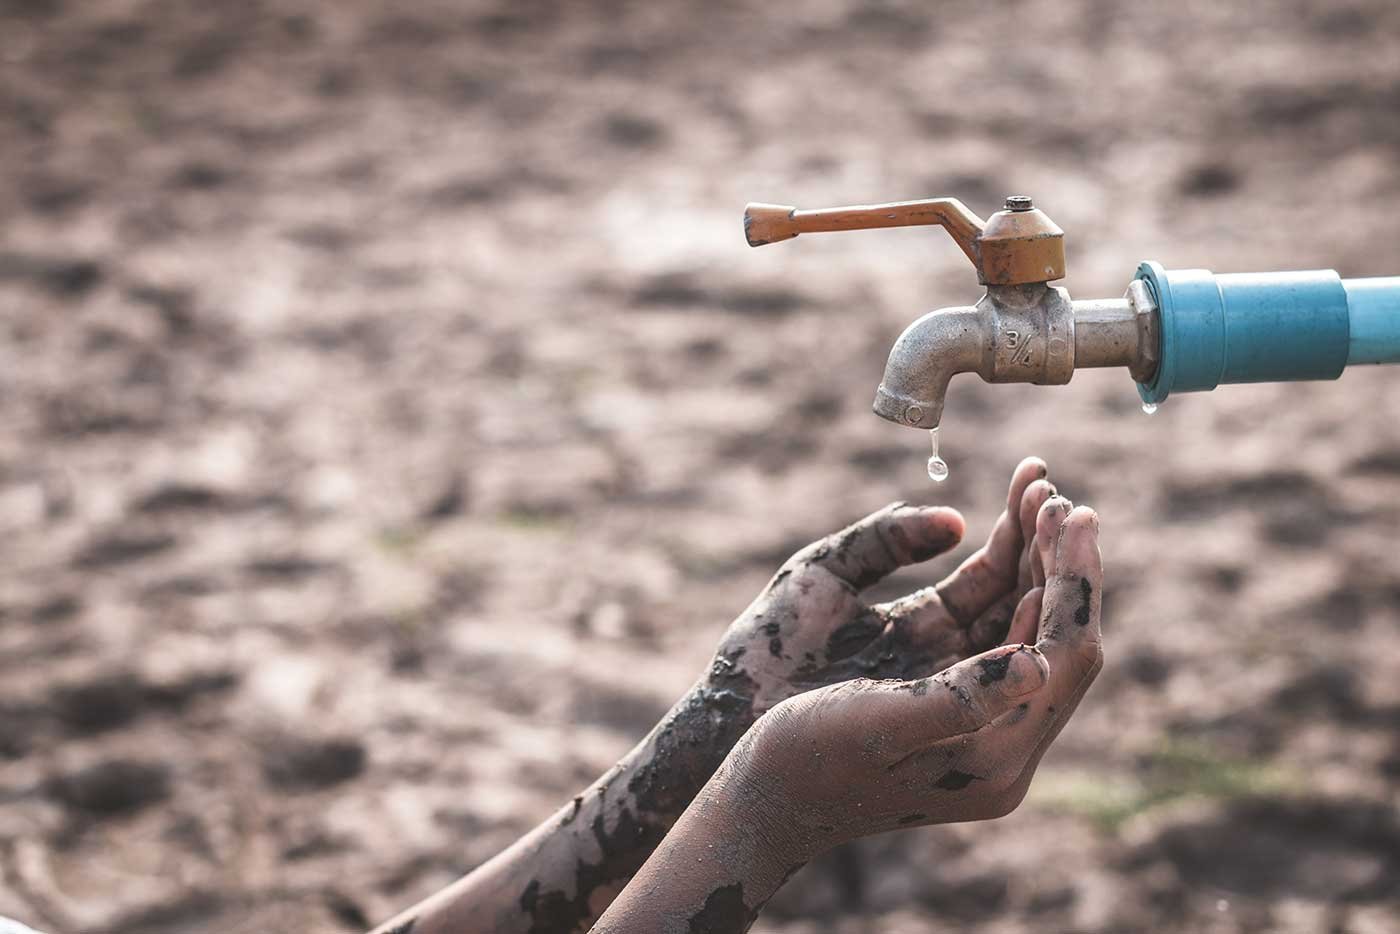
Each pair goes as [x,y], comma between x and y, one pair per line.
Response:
[1022,330]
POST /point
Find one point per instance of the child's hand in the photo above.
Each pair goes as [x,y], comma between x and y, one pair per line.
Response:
[869,756]
[809,628]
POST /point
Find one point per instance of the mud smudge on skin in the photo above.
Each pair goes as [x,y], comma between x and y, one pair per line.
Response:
[775,647]
[693,740]
[889,656]
[1086,592]
[849,638]
[994,669]
[724,912]
[726,664]
[955,781]
[963,695]
[623,853]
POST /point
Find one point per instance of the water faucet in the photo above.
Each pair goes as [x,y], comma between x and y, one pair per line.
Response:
[1173,330]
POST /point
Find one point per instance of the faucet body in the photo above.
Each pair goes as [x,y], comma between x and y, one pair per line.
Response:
[1016,334]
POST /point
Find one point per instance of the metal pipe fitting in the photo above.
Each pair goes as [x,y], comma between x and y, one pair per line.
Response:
[1118,332]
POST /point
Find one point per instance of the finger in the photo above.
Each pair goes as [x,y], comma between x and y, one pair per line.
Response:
[1070,618]
[1026,621]
[1036,495]
[992,626]
[1047,532]
[964,698]
[992,570]
[885,541]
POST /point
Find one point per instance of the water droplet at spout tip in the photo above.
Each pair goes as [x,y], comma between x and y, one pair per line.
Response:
[1149,408]
[937,467]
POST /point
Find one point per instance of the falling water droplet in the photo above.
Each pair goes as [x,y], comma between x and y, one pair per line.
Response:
[937,467]
[1149,408]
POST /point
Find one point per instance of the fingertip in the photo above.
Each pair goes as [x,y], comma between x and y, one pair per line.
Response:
[932,530]
[1048,523]
[1077,552]
[1081,520]
[1035,496]
[948,519]
[1084,515]
[1033,465]
[1027,472]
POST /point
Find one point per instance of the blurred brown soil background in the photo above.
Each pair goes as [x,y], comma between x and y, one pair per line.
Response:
[394,417]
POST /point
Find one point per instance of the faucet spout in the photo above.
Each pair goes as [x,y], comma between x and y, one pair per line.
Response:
[1014,334]
[925,358]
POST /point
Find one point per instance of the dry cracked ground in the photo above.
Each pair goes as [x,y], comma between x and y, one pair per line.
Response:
[393,417]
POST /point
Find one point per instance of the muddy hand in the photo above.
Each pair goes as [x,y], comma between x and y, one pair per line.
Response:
[869,756]
[809,628]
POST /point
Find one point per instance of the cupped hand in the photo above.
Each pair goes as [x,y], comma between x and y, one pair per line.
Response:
[867,756]
[810,628]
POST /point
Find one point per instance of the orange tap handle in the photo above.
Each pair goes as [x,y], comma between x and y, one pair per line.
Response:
[770,223]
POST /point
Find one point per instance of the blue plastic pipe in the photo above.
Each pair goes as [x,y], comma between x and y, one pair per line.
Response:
[1266,327]
[1375,319]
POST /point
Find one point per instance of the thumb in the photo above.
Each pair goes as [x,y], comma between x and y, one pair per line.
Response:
[969,695]
[885,541]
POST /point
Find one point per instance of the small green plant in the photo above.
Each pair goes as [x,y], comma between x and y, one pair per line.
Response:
[1174,770]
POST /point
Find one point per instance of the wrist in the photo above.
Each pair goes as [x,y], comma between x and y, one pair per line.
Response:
[761,785]
[747,829]
[775,833]
[718,867]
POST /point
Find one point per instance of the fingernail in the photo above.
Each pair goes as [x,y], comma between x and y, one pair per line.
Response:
[1026,672]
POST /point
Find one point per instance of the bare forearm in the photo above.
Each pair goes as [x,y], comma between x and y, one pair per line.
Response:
[561,876]
[716,868]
